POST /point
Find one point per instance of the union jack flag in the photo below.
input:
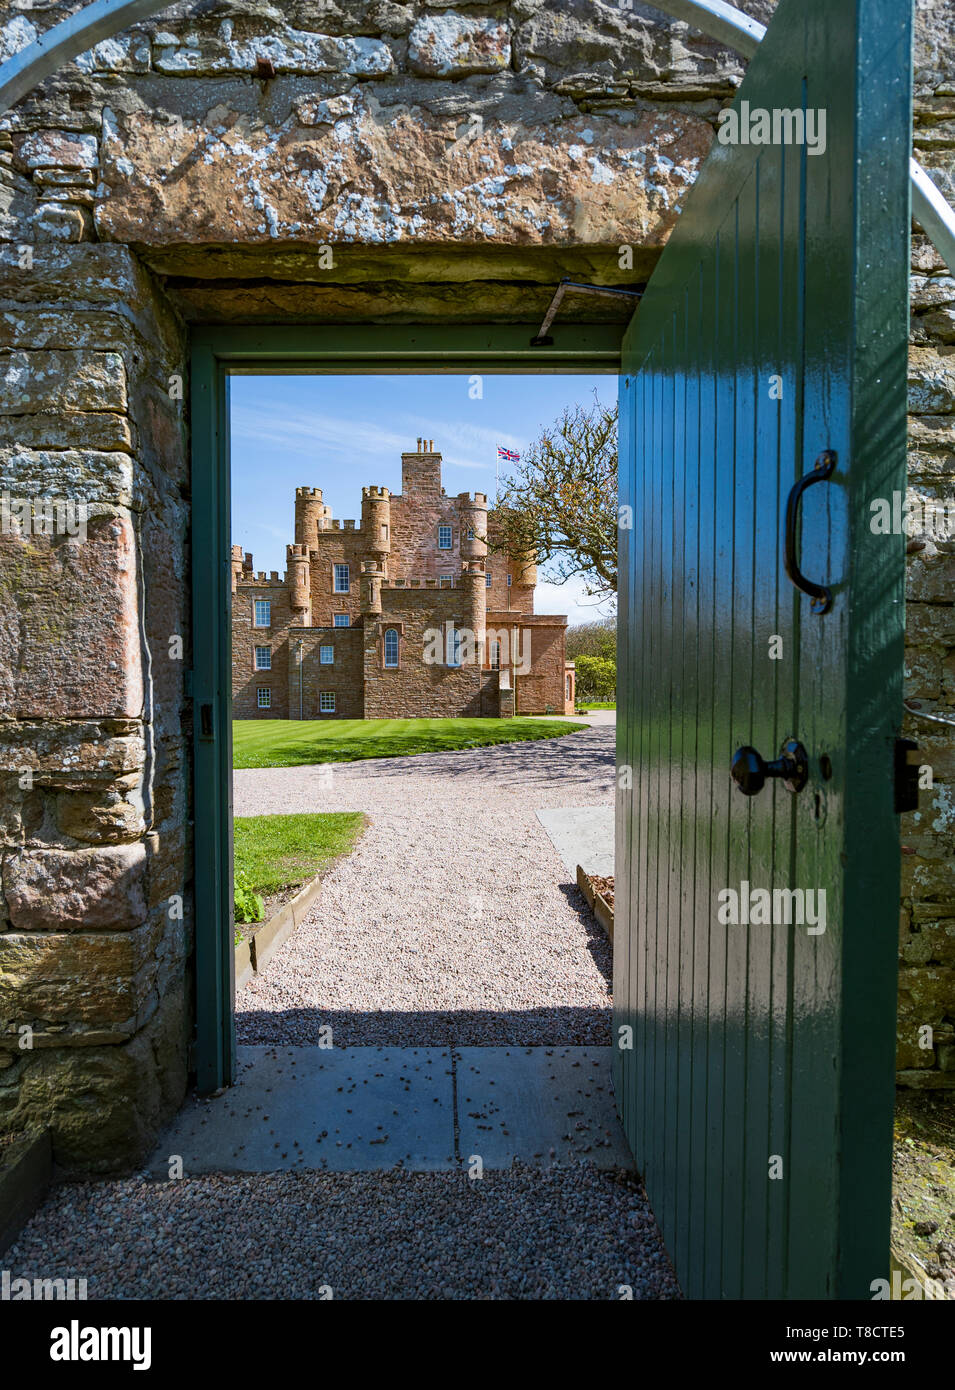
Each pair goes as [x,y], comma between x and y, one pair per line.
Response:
[508,454]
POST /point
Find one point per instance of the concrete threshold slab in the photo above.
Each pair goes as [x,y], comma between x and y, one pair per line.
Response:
[423,1109]
[581,835]
[540,1104]
[357,1108]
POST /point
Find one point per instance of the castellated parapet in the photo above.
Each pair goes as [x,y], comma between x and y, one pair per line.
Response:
[362,600]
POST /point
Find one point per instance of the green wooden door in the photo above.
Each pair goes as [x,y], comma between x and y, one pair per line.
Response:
[754,1060]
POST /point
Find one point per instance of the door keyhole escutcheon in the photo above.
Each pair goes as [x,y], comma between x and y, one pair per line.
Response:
[750,770]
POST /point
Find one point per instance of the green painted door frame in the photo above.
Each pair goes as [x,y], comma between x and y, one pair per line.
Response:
[217,353]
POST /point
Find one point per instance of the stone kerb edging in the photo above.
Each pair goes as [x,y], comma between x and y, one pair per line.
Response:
[253,955]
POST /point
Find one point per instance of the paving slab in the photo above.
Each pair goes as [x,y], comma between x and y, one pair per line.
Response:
[581,835]
[539,1104]
[361,1109]
[344,1109]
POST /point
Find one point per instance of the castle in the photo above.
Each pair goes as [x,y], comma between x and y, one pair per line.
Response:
[409,615]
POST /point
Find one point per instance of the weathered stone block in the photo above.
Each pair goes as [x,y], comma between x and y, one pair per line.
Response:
[931,380]
[79,380]
[105,816]
[95,978]
[76,889]
[291,51]
[453,45]
[69,624]
[60,149]
[104,1105]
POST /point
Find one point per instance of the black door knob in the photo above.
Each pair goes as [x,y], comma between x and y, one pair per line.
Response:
[749,770]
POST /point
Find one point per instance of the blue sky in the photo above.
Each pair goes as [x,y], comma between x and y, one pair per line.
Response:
[342,432]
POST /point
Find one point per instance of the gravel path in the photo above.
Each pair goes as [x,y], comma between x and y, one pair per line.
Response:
[526,1233]
[453,921]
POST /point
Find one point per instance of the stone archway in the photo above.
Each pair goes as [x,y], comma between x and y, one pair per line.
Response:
[318,162]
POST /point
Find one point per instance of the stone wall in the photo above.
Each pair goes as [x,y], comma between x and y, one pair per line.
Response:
[419,689]
[330,161]
[343,677]
[246,680]
[95,910]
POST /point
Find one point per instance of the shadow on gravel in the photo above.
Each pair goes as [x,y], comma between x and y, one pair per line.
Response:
[598,943]
[573,757]
[553,1027]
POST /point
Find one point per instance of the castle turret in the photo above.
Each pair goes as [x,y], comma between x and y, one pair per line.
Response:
[300,584]
[475,603]
[372,574]
[473,513]
[524,569]
[241,566]
[376,521]
[310,512]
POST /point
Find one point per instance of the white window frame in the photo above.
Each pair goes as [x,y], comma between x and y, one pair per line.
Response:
[346,620]
[326,655]
[337,587]
[325,696]
[495,655]
[263,697]
[452,654]
[266,664]
[449,531]
[445,581]
[258,603]
[487,579]
[391,632]
[508,581]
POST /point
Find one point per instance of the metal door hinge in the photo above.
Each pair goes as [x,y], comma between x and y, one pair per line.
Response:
[906,777]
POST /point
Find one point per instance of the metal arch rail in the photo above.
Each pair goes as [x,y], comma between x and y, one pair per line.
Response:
[730,26]
[75,35]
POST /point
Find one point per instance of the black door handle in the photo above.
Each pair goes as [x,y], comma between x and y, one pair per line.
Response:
[749,770]
[820,594]
[205,721]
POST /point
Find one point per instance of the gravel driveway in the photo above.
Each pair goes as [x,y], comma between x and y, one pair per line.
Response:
[453,921]
[569,1232]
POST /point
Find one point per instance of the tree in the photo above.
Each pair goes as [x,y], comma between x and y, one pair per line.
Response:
[598,638]
[560,505]
[596,678]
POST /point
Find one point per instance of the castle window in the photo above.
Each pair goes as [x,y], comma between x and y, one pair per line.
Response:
[326,656]
[444,537]
[326,702]
[342,620]
[453,647]
[263,697]
[470,533]
[391,646]
[384,531]
[445,581]
[263,658]
[263,612]
[508,581]
[495,656]
[341,579]
[487,579]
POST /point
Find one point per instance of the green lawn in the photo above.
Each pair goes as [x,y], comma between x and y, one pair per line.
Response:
[597,704]
[291,742]
[276,852]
